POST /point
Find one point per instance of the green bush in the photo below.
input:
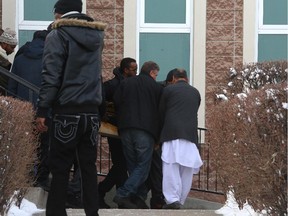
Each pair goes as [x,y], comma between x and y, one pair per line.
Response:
[248,136]
[18,144]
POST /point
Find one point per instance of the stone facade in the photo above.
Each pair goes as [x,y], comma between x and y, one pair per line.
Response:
[224,43]
[110,12]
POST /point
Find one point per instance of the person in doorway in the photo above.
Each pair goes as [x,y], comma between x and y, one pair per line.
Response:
[178,110]
[117,174]
[72,88]
[136,101]
[8,42]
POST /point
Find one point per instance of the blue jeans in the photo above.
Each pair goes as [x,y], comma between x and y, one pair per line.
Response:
[73,135]
[137,149]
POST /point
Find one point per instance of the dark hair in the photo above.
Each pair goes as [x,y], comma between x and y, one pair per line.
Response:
[170,75]
[125,63]
[180,73]
[40,34]
[149,66]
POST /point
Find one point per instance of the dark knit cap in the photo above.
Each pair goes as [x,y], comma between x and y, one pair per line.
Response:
[64,6]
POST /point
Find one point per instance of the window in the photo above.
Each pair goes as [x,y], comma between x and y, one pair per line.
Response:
[165,34]
[272,30]
[33,15]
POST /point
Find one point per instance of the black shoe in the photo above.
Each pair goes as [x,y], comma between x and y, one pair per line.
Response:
[140,203]
[174,205]
[101,197]
[124,202]
[157,202]
[103,204]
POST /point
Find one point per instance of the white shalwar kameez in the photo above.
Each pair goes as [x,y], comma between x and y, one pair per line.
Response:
[181,159]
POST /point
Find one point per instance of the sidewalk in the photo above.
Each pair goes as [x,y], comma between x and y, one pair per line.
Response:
[192,207]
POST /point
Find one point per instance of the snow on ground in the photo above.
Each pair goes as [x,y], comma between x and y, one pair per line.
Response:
[231,208]
[27,208]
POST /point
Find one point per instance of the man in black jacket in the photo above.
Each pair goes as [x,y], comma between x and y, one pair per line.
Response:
[136,102]
[71,87]
[117,174]
[179,119]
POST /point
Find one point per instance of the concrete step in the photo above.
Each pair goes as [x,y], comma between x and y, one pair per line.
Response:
[192,207]
[141,212]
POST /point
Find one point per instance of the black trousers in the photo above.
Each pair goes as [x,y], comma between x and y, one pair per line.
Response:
[154,181]
[43,171]
[73,134]
[117,174]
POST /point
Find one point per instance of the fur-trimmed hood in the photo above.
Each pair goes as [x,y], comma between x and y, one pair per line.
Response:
[78,22]
[80,28]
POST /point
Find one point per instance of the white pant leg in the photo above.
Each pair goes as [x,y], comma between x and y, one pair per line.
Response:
[186,174]
[171,182]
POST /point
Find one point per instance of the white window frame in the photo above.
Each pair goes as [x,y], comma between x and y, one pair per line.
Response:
[268,29]
[154,27]
[33,25]
[198,25]
[187,27]
[26,24]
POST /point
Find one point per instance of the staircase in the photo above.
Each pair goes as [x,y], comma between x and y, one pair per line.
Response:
[192,207]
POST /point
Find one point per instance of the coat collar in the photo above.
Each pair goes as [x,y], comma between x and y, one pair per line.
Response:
[75,21]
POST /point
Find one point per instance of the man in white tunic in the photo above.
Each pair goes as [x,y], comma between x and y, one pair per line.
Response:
[181,159]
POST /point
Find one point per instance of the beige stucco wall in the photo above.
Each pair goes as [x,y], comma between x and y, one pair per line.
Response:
[8,19]
[9,14]
[250,26]
[199,55]
[130,31]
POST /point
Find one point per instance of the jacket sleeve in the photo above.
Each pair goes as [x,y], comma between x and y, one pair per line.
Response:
[108,90]
[162,109]
[54,58]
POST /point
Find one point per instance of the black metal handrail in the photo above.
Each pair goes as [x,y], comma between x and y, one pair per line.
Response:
[33,89]
[205,181]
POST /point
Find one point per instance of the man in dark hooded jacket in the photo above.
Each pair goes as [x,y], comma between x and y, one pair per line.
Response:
[28,65]
[72,88]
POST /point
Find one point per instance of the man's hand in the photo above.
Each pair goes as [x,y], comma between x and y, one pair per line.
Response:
[40,124]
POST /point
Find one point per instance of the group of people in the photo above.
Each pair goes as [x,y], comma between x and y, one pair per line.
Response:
[157,148]
[157,125]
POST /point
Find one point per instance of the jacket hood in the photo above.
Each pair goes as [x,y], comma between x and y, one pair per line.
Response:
[79,29]
[118,73]
[35,49]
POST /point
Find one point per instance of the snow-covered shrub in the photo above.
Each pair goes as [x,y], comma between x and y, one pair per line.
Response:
[248,136]
[18,143]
